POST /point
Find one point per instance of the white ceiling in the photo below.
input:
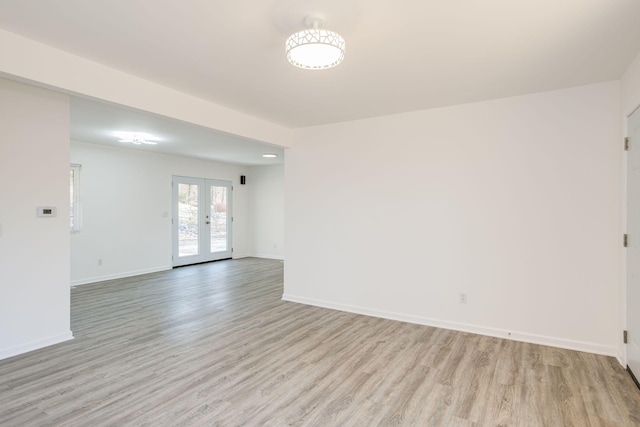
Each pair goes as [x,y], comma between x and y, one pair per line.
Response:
[400,56]
[99,123]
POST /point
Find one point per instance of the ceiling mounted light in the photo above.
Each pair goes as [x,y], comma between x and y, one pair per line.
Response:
[315,48]
[137,139]
[270,155]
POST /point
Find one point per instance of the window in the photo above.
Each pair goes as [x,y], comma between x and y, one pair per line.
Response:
[74,192]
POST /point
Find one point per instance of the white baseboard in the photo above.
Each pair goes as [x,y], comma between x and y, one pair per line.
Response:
[89,280]
[269,256]
[239,256]
[265,256]
[587,347]
[35,345]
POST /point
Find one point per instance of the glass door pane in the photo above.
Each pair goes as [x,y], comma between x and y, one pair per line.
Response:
[218,226]
[188,220]
[202,220]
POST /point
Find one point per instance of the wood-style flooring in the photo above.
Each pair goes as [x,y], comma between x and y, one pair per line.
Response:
[214,344]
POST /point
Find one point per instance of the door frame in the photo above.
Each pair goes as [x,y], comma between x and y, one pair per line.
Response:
[204,227]
[631,146]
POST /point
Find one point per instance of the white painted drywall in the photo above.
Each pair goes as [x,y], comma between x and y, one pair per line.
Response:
[515,202]
[630,87]
[38,63]
[630,82]
[266,204]
[125,196]
[34,252]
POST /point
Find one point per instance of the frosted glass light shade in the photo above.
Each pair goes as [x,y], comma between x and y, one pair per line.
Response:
[315,49]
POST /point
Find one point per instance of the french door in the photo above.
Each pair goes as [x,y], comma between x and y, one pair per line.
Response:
[202,220]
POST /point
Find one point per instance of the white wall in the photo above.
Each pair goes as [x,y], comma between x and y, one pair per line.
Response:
[266,201]
[631,87]
[34,252]
[125,194]
[515,202]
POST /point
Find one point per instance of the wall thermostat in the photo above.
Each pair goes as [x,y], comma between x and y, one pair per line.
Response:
[46,211]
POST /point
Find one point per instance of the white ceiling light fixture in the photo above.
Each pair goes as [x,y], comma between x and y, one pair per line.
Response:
[315,48]
[270,155]
[136,138]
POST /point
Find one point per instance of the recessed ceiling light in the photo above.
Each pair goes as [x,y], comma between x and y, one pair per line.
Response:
[136,138]
[269,155]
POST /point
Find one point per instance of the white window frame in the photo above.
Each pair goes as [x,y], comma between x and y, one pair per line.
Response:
[75,200]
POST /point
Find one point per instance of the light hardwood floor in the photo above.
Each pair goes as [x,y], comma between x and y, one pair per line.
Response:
[214,344]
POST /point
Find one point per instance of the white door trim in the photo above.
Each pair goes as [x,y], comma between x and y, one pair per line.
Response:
[204,220]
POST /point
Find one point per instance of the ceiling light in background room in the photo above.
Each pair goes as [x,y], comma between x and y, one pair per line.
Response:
[315,48]
[136,138]
[270,155]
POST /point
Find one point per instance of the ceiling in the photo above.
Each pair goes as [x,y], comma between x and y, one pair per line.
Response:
[400,55]
[101,123]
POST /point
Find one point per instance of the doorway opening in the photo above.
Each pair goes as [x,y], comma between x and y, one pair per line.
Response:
[202,220]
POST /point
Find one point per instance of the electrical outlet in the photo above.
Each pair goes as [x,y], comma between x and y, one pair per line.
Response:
[463,298]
